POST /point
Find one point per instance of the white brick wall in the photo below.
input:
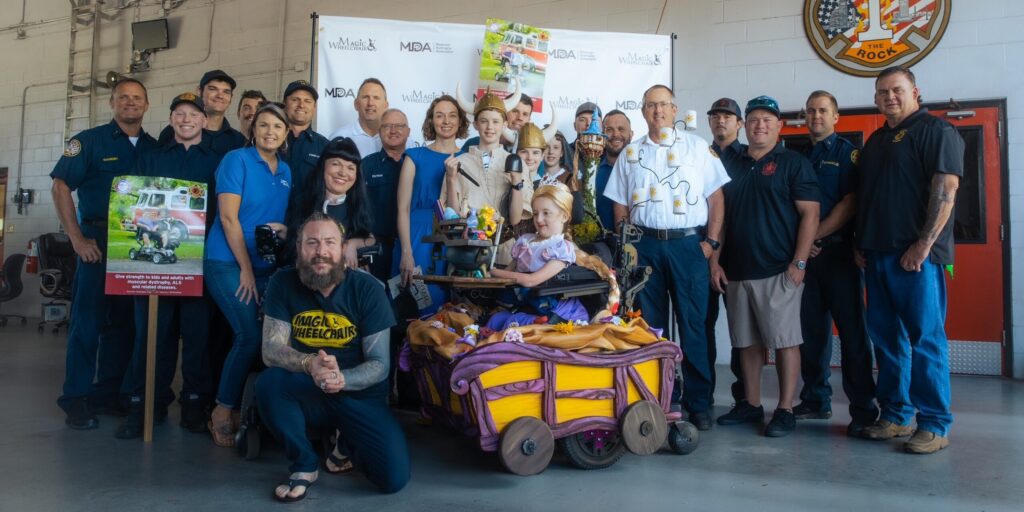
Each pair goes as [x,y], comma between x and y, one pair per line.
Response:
[738,48]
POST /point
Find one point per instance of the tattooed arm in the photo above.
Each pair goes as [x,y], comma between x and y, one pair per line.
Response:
[374,368]
[940,206]
[276,351]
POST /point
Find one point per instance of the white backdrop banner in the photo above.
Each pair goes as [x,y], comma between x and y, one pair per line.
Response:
[419,61]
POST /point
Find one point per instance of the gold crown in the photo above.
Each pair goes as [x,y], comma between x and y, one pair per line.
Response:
[187,96]
[530,136]
[489,101]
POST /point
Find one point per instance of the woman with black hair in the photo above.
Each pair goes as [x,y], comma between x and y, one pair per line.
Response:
[339,192]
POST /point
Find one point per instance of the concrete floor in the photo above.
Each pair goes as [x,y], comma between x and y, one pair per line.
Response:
[46,466]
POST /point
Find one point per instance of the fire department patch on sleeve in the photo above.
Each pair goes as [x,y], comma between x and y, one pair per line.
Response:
[713,152]
[73,148]
[855,155]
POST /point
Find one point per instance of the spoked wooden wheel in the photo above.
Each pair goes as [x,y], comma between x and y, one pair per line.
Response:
[644,427]
[526,446]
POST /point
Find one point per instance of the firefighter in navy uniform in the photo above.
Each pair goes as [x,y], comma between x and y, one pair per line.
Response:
[188,156]
[833,288]
[100,338]
[304,144]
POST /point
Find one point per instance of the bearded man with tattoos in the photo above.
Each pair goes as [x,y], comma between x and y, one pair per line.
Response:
[326,345]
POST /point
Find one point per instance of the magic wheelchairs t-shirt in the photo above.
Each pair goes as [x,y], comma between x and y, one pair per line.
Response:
[336,323]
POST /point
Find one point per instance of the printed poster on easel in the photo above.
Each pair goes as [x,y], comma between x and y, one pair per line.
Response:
[155,236]
[514,52]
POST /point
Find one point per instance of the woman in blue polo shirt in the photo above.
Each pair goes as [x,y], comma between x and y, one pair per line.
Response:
[253,185]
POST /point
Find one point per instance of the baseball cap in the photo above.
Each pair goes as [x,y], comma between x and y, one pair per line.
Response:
[727,105]
[300,85]
[764,103]
[188,97]
[589,106]
[216,74]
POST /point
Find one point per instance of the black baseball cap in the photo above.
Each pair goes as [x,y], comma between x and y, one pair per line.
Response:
[188,97]
[217,74]
[589,106]
[764,103]
[300,85]
[727,105]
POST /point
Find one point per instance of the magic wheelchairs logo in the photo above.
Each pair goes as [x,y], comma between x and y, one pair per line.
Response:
[640,59]
[316,328]
[353,44]
[863,37]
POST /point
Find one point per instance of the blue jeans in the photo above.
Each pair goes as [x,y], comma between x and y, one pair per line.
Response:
[289,402]
[100,335]
[680,273]
[906,315]
[187,317]
[222,280]
[833,291]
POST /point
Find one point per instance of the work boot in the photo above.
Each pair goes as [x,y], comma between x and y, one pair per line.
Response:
[742,412]
[80,416]
[812,411]
[925,442]
[884,430]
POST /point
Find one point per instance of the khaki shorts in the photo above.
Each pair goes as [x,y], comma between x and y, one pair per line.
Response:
[764,312]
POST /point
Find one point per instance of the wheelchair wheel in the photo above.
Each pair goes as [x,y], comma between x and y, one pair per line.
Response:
[158,258]
[593,449]
[247,439]
[133,254]
[173,258]
[683,437]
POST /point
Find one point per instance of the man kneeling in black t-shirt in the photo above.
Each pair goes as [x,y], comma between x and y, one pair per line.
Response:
[325,341]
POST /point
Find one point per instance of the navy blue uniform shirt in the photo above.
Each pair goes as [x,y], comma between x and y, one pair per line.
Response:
[761,219]
[303,153]
[894,183]
[381,174]
[220,141]
[605,206]
[835,163]
[91,161]
[338,323]
[198,163]
[730,153]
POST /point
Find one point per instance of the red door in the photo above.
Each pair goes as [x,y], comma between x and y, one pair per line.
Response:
[977,298]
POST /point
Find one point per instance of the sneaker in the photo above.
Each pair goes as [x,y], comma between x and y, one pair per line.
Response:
[701,420]
[193,417]
[783,423]
[742,412]
[810,411]
[80,416]
[925,442]
[884,430]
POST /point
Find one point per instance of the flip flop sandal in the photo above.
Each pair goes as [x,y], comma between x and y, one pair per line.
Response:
[293,483]
[222,436]
[343,463]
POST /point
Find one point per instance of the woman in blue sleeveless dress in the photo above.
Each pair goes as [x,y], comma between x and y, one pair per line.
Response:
[419,188]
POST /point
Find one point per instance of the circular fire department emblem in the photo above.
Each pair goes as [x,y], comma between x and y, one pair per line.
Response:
[863,37]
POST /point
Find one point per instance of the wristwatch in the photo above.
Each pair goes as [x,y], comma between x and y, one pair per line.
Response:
[519,186]
[715,244]
[800,264]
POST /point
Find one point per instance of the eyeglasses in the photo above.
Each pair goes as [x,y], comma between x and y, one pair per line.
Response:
[664,105]
[389,127]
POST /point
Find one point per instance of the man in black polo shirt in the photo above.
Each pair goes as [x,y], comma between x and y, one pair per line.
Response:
[725,121]
[770,220]
[325,342]
[215,90]
[381,171]
[909,172]
[304,144]
[833,288]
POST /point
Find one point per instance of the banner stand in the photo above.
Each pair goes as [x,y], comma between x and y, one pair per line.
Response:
[147,432]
